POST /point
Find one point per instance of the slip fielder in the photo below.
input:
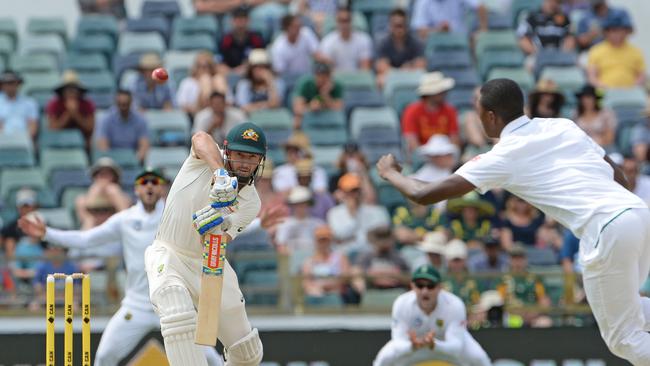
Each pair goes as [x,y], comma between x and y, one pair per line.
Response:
[554,165]
[210,180]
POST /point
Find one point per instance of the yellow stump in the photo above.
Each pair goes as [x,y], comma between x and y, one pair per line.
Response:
[50,312]
[67,341]
[85,325]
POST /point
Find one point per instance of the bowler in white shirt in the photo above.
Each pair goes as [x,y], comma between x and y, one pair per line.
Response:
[555,166]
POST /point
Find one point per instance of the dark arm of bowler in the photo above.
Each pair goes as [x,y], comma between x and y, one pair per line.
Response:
[425,193]
[619,176]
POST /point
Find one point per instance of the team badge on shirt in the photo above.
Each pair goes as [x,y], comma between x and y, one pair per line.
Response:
[417,322]
[440,323]
[250,134]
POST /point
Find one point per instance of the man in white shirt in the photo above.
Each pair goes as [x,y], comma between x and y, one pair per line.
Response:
[293,50]
[430,323]
[135,228]
[555,166]
[218,118]
[346,49]
[441,156]
[431,16]
[296,233]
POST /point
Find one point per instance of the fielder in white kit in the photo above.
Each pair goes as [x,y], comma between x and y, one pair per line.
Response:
[555,166]
[430,323]
[209,180]
[135,228]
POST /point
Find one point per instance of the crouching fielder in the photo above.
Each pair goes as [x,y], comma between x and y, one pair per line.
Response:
[173,262]
[429,323]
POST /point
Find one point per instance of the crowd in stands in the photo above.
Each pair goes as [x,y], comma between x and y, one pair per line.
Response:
[333,93]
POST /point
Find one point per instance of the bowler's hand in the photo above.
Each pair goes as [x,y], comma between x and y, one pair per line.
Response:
[387,164]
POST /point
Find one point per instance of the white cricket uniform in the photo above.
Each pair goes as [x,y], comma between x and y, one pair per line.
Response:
[555,166]
[175,258]
[135,229]
[448,320]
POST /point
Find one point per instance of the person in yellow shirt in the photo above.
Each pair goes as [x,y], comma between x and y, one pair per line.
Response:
[615,63]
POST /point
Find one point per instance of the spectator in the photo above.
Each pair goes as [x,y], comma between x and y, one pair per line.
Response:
[590,27]
[546,101]
[195,90]
[56,261]
[477,141]
[285,176]
[640,138]
[147,92]
[473,217]
[293,50]
[431,115]
[70,109]
[445,16]
[489,312]
[29,249]
[433,245]
[123,128]
[383,267]
[352,160]
[599,123]
[259,89]
[11,235]
[325,272]
[399,49]
[520,223]
[264,186]
[351,220]
[238,43]
[412,222]
[18,113]
[317,93]
[322,201]
[638,183]
[222,7]
[489,261]
[548,27]
[614,62]
[296,233]
[317,11]
[218,117]
[346,49]
[457,279]
[441,157]
[107,7]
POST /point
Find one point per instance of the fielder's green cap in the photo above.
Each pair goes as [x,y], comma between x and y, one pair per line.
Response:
[426,272]
[247,137]
[151,171]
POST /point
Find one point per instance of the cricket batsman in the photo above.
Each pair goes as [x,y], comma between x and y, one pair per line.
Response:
[213,192]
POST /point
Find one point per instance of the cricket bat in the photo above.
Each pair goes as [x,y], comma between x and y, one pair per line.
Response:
[214,257]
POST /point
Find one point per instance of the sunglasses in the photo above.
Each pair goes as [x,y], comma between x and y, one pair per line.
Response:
[428,285]
[146,180]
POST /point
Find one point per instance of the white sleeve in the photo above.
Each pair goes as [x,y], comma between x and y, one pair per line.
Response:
[365,51]
[487,171]
[399,329]
[312,39]
[106,233]
[186,95]
[326,45]
[277,57]
[319,183]
[455,333]
[244,216]
[419,19]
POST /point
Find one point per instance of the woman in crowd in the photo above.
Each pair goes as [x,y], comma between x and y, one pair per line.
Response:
[520,223]
[260,89]
[599,123]
[194,91]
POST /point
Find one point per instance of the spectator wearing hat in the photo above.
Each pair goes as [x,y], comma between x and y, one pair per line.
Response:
[520,223]
[614,62]
[296,233]
[444,16]
[546,101]
[352,160]
[70,108]
[324,273]
[123,127]
[285,176]
[351,219]
[147,92]
[346,49]
[11,235]
[590,27]
[433,245]
[293,51]
[18,113]
[473,217]
[218,117]
[598,122]
[317,93]
[259,89]
[431,115]
[235,45]
[399,49]
[457,279]
[382,267]
[322,201]
[195,90]
[440,156]
[547,27]
[639,183]
[413,222]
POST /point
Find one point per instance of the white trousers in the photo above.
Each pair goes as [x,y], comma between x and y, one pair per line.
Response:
[125,330]
[612,282]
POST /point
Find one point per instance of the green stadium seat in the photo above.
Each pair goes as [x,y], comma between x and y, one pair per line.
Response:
[60,180]
[437,42]
[97,82]
[38,63]
[6,48]
[402,98]
[356,80]
[94,43]
[363,117]
[324,119]
[380,299]
[12,179]
[156,24]
[69,196]
[62,159]
[326,301]
[157,8]
[48,25]
[168,122]
[44,43]
[166,157]
[568,79]
[359,23]
[572,363]
[506,362]
[9,28]
[125,158]
[193,42]
[276,155]
[521,8]
[326,157]
[270,14]
[178,64]
[131,42]
[61,139]
[83,63]
[390,197]
[327,136]
[519,75]
[59,218]
[633,97]
[374,6]
[16,150]
[202,24]
[499,58]
[40,86]
[398,80]
[279,118]
[496,40]
[98,24]
[543,363]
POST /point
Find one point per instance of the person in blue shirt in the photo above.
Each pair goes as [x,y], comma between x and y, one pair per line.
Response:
[55,261]
[590,28]
[18,113]
[147,92]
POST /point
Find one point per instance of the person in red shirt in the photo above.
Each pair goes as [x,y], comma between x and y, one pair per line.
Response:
[431,115]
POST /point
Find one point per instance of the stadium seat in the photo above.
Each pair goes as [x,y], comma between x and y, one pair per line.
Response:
[464,78]
[102,99]
[6,48]
[401,79]
[59,218]
[157,8]
[521,8]
[202,24]
[166,157]
[624,137]
[48,25]
[543,363]
[628,113]
[12,179]
[192,42]
[379,25]
[374,6]
[461,99]
[98,24]
[379,299]
[94,43]
[390,197]
[402,98]
[633,97]
[276,155]
[326,157]
[519,75]
[62,159]
[356,80]
[449,59]
[9,28]
[496,40]
[374,152]
[261,287]
[125,63]
[363,117]
[572,363]
[69,196]
[568,78]
[168,127]
[82,63]
[130,42]
[40,86]
[541,256]
[98,82]
[44,43]
[552,57]
[16,150]
[60,180]
[327,136]
[38,63]
[355,98]
[359,23]
[324,119]
[125,158]
[437,42]
[268,14]
[279,118]
[69,138]
[154,24]
[499,58]
[506,362]
[276,137]
[178,62]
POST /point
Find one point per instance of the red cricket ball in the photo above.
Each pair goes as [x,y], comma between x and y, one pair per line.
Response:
[160,75]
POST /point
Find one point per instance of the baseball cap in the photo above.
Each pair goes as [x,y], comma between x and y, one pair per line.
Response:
[349,182]
[26,197]
[247,137]
[151,171]
[426,272]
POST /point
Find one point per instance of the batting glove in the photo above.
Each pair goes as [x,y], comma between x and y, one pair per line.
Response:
[224,188]
[211,217]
